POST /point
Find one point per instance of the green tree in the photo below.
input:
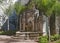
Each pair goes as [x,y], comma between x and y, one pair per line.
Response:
[19,10]
[46,7]
[8,12]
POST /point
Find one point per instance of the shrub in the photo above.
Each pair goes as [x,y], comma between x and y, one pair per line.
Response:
[10,32]
[43,39]
[54,37]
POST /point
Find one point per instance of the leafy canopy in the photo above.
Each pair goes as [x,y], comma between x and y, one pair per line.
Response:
[57,8]
[31,4]
[8,10]
[19,8]
[46,6]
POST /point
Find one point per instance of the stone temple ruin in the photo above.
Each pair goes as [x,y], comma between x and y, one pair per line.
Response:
[31,23]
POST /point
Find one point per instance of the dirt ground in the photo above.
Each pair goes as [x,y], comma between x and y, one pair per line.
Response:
[8,39]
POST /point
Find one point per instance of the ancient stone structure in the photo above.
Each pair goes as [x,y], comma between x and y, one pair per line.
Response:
[29,22]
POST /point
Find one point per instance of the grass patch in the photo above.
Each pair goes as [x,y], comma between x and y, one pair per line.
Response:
[10,32]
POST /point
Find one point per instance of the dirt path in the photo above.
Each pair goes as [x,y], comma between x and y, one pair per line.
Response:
[8,39]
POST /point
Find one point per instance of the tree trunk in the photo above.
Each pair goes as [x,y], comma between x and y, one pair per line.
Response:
[17,24]
[8,23]
[48,28]
[18,21]
[52,24]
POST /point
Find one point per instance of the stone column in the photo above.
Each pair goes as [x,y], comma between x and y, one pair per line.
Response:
[40,25]
[35,22]
[20,22]
[44,25]
[24,22]
[57,23]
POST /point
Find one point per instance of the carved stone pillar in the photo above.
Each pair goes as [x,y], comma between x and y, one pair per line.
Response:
[40,25]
